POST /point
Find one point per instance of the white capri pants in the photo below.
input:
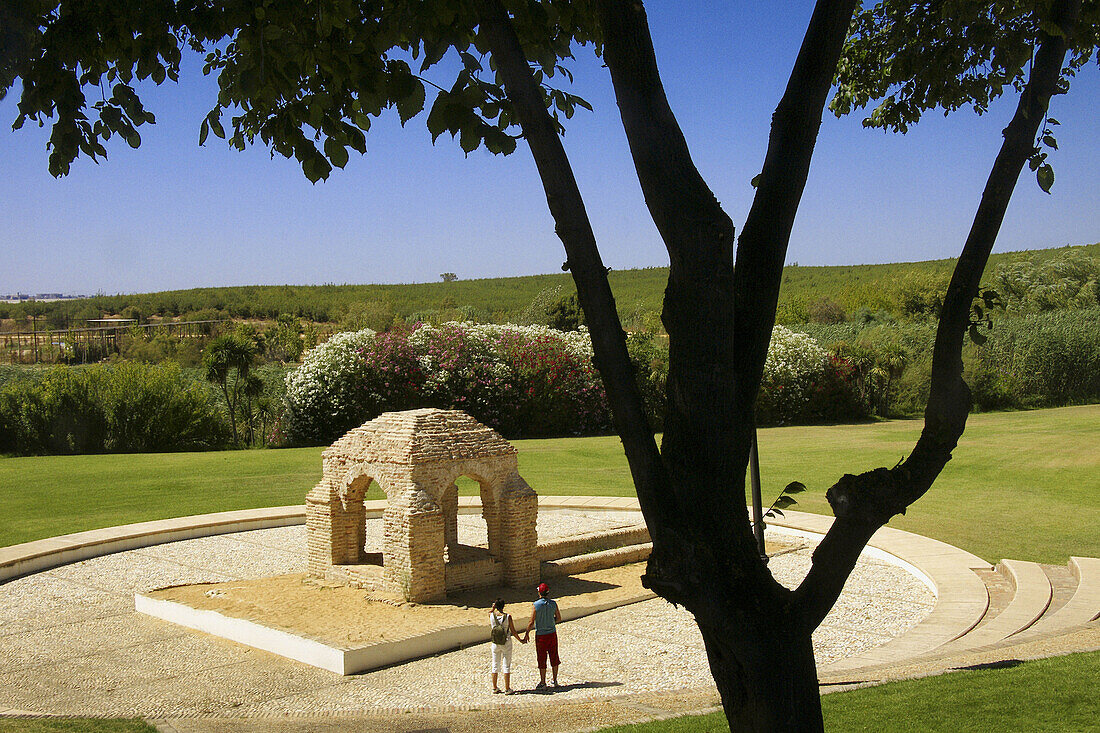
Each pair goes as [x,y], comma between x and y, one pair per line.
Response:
[502,657]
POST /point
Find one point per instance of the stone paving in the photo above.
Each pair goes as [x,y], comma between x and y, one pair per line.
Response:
[71,643]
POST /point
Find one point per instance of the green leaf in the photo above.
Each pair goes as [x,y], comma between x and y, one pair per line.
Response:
[204,131]
[783,502]
[794,487]
[755,182]
[1045,176]
[158,74]
[437,117]
[314,168]
[336,153]
[215,123]
[133,139]
[469,138]
[410,106]
[976,336]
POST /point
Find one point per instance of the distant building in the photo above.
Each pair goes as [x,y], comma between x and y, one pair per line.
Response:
[39,297]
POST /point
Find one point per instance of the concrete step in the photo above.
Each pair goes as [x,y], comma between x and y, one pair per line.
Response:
[1082,606]
[1046,603]
[1030,599]
[600,560]
[591,542]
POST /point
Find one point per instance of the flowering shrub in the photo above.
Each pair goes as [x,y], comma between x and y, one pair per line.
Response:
[325,393]
[463,370]
[520,380]
[803,383]
[526,380]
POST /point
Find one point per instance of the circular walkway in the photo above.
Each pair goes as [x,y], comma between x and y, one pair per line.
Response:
[73,644]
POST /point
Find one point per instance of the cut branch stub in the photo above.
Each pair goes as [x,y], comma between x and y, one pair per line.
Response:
[874,496]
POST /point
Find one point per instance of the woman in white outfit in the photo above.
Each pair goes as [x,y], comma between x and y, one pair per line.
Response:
[501,627]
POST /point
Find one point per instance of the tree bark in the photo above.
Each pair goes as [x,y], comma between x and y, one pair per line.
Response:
[756,633]
[593,291]
[719,322]
[866,502]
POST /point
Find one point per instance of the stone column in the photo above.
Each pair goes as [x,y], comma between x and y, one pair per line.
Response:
[491,514]
[449,504]
[413,553]
[334,533]
[519,536]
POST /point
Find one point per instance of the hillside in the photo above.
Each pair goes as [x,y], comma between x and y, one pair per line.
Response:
[513,299]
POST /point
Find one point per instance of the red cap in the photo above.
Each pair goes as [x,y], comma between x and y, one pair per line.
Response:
[543,588]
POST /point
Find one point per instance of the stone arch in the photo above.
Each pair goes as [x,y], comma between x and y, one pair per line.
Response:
[416,457]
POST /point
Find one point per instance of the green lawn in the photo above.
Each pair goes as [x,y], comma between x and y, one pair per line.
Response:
[1024,485]
[1056,694]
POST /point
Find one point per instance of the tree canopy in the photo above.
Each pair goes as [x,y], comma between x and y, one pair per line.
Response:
[306,77]
[907,58]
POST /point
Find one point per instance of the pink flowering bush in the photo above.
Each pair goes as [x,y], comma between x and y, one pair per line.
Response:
[521,381]
[526,381]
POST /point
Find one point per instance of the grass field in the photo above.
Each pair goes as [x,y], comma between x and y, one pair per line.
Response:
[1024,485]
[504,299]
[1056,694]
[1053,695]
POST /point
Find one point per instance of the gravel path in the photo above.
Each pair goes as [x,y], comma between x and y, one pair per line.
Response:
[71,643]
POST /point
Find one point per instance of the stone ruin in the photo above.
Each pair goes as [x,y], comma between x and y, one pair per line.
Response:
[415,458]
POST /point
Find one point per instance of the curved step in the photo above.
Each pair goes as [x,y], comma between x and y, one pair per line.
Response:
[961,602]
[595,560]
[591,542]
[1030,601]
[1082,607]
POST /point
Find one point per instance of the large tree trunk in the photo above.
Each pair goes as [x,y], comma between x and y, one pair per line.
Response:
[768,685]
[719,323]
[757,633]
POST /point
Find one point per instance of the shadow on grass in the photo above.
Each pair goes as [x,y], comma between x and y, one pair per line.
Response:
[1002,664]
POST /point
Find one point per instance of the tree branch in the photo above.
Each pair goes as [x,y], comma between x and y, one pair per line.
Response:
[762,247]
[701,433]
[574,229]
[866,502]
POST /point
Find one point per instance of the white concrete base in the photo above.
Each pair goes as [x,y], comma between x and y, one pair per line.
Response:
[335,659]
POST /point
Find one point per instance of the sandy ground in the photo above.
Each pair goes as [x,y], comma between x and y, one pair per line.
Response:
[346,617]
[342,616]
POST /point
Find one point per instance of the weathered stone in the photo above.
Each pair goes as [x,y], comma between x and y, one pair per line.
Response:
[415,458]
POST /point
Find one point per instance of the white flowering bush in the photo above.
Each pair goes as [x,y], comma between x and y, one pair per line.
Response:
[796,364]
[323,392]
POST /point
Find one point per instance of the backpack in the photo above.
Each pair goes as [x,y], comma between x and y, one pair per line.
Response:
[499,632]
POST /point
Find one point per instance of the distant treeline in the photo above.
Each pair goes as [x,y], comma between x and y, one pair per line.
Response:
[810,294]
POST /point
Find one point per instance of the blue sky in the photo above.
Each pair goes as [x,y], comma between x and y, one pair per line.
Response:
[174,215]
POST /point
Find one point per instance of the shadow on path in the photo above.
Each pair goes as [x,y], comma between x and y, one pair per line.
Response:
[550,689]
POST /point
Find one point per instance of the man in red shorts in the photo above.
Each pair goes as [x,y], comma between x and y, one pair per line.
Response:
[545,617]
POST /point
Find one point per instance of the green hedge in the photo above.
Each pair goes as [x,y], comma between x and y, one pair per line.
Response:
[1049,359]
[118,408]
